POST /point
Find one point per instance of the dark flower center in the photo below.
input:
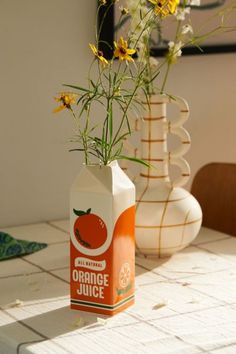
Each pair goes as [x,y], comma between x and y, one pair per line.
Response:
[123,50]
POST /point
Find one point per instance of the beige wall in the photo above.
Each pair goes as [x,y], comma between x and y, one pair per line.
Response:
[45,43]
[209,85]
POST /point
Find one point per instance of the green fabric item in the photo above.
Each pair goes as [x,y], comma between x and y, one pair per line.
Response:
[11,247]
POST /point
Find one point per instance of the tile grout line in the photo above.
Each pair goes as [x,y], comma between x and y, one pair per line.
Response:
[183,279]
[152,271]
[224,346]
[43,336]
[23,323]
[175,280]
[138,320]
[58,242]
[46,271]
[195,290]
[217,254]
[189,313]
[32,273]
[49,223]
[182,340]
[40,302]
[18,349]
[98,328]
[213,241]
[168,333]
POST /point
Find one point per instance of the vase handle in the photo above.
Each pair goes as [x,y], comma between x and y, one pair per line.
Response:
[135,125]
[175,157]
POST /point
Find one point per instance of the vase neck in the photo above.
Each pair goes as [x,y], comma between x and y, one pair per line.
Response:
[154,141]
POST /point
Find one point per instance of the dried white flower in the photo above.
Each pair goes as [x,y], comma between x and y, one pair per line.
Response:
[16,303]
[139,29]
[160,304]
[194,300]
[79,322]
[194,2]
[153,62]
[185,284]
[187,29]
[101,321]
[181,13]
[174,49]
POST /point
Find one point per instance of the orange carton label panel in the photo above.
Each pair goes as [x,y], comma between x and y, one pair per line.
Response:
[102,282]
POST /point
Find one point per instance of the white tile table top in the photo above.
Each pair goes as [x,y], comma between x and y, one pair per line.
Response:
[184,305]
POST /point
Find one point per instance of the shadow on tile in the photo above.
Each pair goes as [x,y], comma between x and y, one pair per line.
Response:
[60,322]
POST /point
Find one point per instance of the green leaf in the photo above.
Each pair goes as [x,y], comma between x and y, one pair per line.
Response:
[76,150]
[122,137]
[77,87]
[88,211]
[81,98]
[110,123]
[122,22]
[93,84]
[79,212]
[153,78]
[127,122]
[147,97]
[117,153]
[134,159]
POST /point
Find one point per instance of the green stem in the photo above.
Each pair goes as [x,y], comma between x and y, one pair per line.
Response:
[165,78]
[169,61]
[125,112]
[106,131]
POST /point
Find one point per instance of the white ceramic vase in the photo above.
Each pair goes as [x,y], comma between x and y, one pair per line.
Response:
[168,217]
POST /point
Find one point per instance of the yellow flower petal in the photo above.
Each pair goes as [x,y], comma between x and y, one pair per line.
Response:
[131,51]
[122,51]
[98,54]
[66,99]
[58,109]
[164,8]
[93,48]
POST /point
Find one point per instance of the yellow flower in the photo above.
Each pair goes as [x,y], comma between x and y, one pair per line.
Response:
[122,51]
[103,2]
[66,100]
[164,8]
[98,54]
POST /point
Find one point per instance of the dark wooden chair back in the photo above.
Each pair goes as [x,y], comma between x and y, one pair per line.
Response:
[214,186]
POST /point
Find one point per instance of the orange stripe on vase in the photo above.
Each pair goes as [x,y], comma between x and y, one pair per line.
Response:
[153,141]
[167,226]
[152,103]
[150,176]
[151,159]
[153,118]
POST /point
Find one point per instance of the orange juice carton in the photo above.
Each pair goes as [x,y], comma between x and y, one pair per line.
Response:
[102,246]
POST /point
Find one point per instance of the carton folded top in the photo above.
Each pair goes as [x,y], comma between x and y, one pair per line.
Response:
[108,179]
